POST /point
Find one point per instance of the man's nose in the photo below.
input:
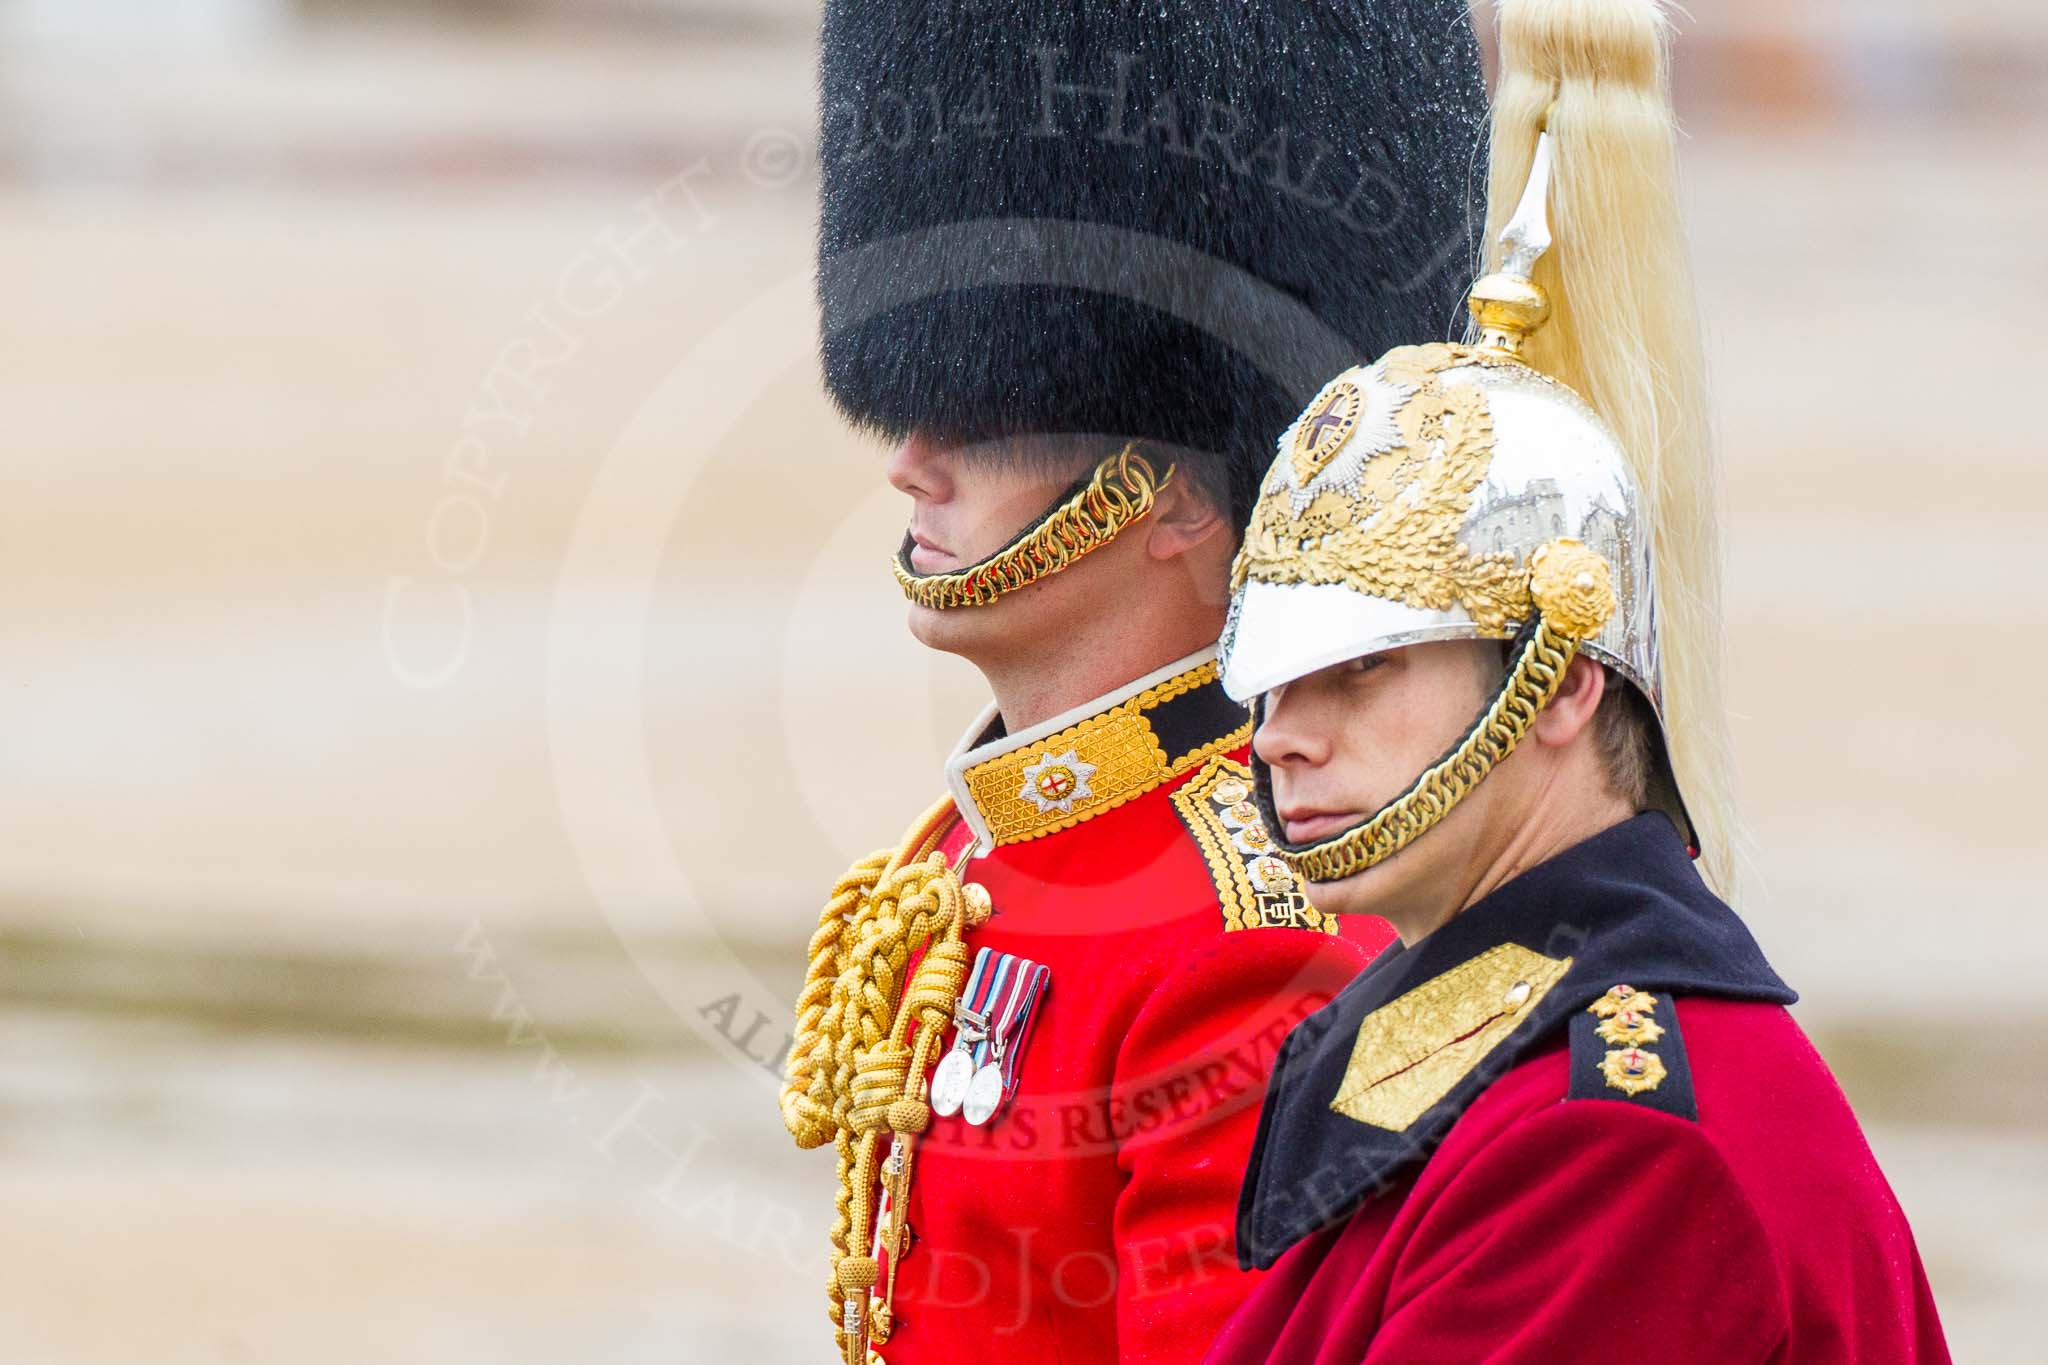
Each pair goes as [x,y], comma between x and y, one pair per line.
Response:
[918,467]
[1287,735]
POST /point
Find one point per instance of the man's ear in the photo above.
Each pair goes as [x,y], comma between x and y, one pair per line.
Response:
[1181,519]
[1571,710]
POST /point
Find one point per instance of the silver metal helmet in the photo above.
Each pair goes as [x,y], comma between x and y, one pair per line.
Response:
[1449,492]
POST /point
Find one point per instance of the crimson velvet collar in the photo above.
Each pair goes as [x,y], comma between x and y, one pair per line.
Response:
[1625,906]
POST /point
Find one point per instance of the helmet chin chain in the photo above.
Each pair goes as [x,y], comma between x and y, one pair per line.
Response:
[1120,492]
[1573,595]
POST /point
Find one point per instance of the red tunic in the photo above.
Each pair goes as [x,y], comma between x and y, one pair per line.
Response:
[1092,1219]
[1730,1211]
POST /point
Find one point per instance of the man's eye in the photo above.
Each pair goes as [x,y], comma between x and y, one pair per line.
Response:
[1363,664]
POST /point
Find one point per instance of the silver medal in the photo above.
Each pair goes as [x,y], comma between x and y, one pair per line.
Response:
[950,1083]
[984,1094]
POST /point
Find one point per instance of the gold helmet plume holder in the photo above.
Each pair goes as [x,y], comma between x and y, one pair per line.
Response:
[1506,305]
[1119,492]
[1572,595]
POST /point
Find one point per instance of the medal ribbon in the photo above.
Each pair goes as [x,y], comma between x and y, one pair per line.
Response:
[1022,986]
[990,969]
[1019,1019]
[972,994]
[1006,978]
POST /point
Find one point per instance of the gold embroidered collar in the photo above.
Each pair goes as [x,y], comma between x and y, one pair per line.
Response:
[1094,758]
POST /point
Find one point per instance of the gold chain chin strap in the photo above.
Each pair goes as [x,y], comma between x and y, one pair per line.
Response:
[1120,492]
[855,1069]
[1573,592]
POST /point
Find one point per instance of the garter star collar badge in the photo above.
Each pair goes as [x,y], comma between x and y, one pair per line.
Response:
[1056,781]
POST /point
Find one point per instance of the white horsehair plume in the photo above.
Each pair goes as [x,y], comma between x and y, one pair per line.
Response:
[1624,328]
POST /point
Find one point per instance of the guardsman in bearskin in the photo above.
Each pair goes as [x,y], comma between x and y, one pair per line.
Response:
[1567,1116]
[1078,264]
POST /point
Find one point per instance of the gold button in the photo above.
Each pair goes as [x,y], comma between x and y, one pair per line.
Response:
[1517,996]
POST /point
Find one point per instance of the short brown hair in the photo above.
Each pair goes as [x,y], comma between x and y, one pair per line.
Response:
[1625,730]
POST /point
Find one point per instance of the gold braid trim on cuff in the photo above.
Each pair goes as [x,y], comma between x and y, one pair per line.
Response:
[855,1070]
[1120,492]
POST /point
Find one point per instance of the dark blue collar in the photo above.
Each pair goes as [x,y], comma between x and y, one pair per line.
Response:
[1625,906]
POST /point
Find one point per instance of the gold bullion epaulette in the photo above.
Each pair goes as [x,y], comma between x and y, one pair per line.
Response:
[1255,888]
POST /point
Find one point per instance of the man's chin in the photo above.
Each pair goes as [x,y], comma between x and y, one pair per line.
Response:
[952,631]
[1379,890]
[1351,896]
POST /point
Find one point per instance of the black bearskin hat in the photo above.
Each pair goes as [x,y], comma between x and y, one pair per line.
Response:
[1168,221]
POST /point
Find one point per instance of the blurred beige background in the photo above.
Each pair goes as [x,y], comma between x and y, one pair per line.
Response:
[448,654]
